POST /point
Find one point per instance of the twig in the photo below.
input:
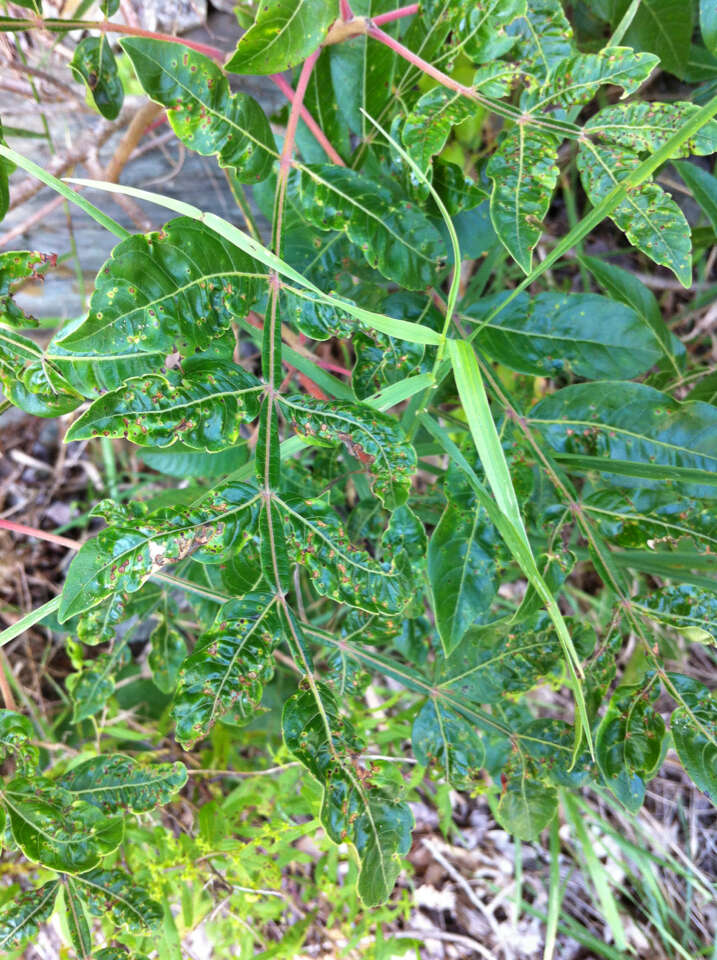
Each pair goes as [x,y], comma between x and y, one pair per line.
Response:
[395,14]
[318,133]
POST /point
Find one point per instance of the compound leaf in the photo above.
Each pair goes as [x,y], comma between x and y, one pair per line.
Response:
[203,405]
[202,110]
[687,608]
[115,782]
[226,672]
[646,127]
[374,438]
[284,33]
[360,804]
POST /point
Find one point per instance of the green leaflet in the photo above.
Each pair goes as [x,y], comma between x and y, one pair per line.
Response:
[649,217]
[51,827]
[374,438]
[137,545]
[663,27]
[117,894]
[427,127]
[168,650]
[501,658]
[632,434]
[16,732]
[224,676]
[703,186]
[31,383]
[204,404]
[629,744]
[392,234]
[688,609]
[524,173]
[179,289]
[94,65]
[694,731]
[17,266]
[583,334]
[76,919]
[6,168]
[708,25]
[646,127]
[336,568]
[360,803]
[440,735]
[526,804]
[634,518]
[203,112]
[113,782]
[91,688]
[22,917]
[284,33]
[479,30]
[546,37]
[578,78]
[463,571]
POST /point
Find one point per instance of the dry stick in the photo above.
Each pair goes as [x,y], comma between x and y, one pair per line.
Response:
[140,123]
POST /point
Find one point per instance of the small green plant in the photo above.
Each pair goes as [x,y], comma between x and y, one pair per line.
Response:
[361,519]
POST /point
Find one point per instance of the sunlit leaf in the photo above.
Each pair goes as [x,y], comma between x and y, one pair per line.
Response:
[114,782]
[284,33]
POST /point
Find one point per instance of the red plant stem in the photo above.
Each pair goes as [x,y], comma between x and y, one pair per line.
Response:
[346,11]
[40,534]
[318,133]
[424,65]
[395,14]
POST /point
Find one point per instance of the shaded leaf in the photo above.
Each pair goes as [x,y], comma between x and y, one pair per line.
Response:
[546,37]
[703,186]
[463,572]
[17,266]
[694,731]
[336,568]
[394,236]
[22,917]
[689,609]
[6,168]
[526,804]
[284,33]
[360,804]
[579,333]
[629,741]
[524,173]
[662,26]
[226,672]
[94,65]
[91,688]
[114,782]
[646,127]
[202,110]
[630,431]
[708,24]
[137,544]
[204,404]
[442,736]
[375,439]
[16,734]
[115,893]
[51,827]
[168,650]
[30,382]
